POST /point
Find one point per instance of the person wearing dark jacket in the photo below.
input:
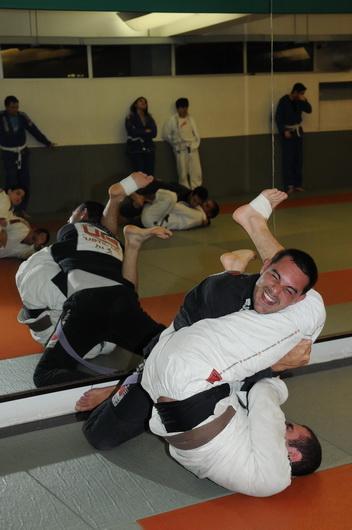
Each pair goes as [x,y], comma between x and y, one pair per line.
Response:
[289,123]
[15,154]
[141,129]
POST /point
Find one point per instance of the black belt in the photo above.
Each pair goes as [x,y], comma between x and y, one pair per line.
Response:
[186,414]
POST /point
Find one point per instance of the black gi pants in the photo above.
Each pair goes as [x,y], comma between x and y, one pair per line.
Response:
[143,161]
[292,161]
[89,317]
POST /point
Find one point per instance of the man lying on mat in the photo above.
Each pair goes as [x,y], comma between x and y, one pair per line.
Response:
[282,283]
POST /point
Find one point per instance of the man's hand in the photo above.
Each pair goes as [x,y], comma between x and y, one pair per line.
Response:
[141,179]
[298,356]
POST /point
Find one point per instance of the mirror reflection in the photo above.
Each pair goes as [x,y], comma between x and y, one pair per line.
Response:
[216,112]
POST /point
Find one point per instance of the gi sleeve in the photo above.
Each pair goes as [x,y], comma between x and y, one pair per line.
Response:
[33,129]
[269,470]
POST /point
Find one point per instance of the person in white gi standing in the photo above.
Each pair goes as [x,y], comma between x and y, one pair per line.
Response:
[180,131]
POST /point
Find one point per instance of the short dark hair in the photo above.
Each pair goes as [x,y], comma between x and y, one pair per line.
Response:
[128,209]
[201,192]
[10,99]
[298,87]
[94,209]
[16,187]
[310,448]
[304,261]
[182,103]
[43,231]
[214,209]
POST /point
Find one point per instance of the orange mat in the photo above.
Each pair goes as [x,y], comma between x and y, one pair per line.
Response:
[15,339]
[322,501]
[302,201]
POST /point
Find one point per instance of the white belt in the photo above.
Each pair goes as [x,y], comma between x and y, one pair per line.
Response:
[17,150]
[294,128]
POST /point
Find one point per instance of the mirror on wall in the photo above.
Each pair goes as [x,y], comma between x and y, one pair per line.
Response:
[77,84]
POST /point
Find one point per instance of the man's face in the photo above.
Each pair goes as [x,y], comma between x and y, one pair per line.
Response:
[299,95]
[280,284]
[12,109]
[294,431]
[182,111]
[16,196]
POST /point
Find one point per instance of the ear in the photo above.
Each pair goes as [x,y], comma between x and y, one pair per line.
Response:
[294,454]
[265,266]
[84,214]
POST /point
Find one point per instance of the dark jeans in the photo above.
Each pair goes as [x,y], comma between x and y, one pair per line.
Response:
[15,177]
[292,161]
[89,317]
[143,161]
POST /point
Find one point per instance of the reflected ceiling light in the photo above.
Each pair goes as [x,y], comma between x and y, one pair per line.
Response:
[169,24]
[293,54]
[147,21]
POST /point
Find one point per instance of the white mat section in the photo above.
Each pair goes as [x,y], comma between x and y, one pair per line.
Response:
[62,402]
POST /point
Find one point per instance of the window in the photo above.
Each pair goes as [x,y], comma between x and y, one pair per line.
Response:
[334,56]
[126,60]
[209,58]
[26,61]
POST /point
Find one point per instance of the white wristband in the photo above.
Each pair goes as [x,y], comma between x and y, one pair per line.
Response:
[262,205]
[129,185]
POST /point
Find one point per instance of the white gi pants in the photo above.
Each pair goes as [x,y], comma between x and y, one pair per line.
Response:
[188,168]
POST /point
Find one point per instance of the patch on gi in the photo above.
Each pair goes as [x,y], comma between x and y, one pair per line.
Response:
[93,239]
[214,376]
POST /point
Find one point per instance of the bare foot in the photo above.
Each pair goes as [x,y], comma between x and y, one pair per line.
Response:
[141,179]
[261,206]
[135,236]
[92,398]
[237,260]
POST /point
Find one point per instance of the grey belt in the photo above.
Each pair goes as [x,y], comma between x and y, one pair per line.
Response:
[294,128]
[201,435]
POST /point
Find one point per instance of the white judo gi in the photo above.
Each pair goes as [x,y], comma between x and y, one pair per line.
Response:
[182,134]
[166,211]
[17,229]
[249,455]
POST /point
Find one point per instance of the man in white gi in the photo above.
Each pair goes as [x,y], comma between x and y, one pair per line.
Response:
[166,211]
[22,240]
[180,131]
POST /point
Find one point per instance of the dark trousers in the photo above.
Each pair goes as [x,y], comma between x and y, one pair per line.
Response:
[292,161]
[89,317]
[109,425]
[143,161]
[17,177]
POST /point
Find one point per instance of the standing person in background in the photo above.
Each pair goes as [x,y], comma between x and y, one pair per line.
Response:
[288,120]
[15,154]
[181,133]
[141,129]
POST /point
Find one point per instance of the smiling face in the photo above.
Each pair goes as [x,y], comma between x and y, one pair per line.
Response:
[280,284]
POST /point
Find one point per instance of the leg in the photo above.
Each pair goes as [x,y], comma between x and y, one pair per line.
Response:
[255,223]
[10,169]
[119,418]
[195,169]
[182,168]
[117,192]
[288,163]
[149,162]
[134,239]
[298,163]
[24,180]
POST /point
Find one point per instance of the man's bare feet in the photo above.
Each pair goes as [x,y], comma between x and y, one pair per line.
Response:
[237,260]
[141,181]
[260,206]
[135,236]
[92,398]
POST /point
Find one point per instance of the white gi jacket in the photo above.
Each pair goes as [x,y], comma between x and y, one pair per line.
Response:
[166,211]
[16,232]
[234,346]
[172,135]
